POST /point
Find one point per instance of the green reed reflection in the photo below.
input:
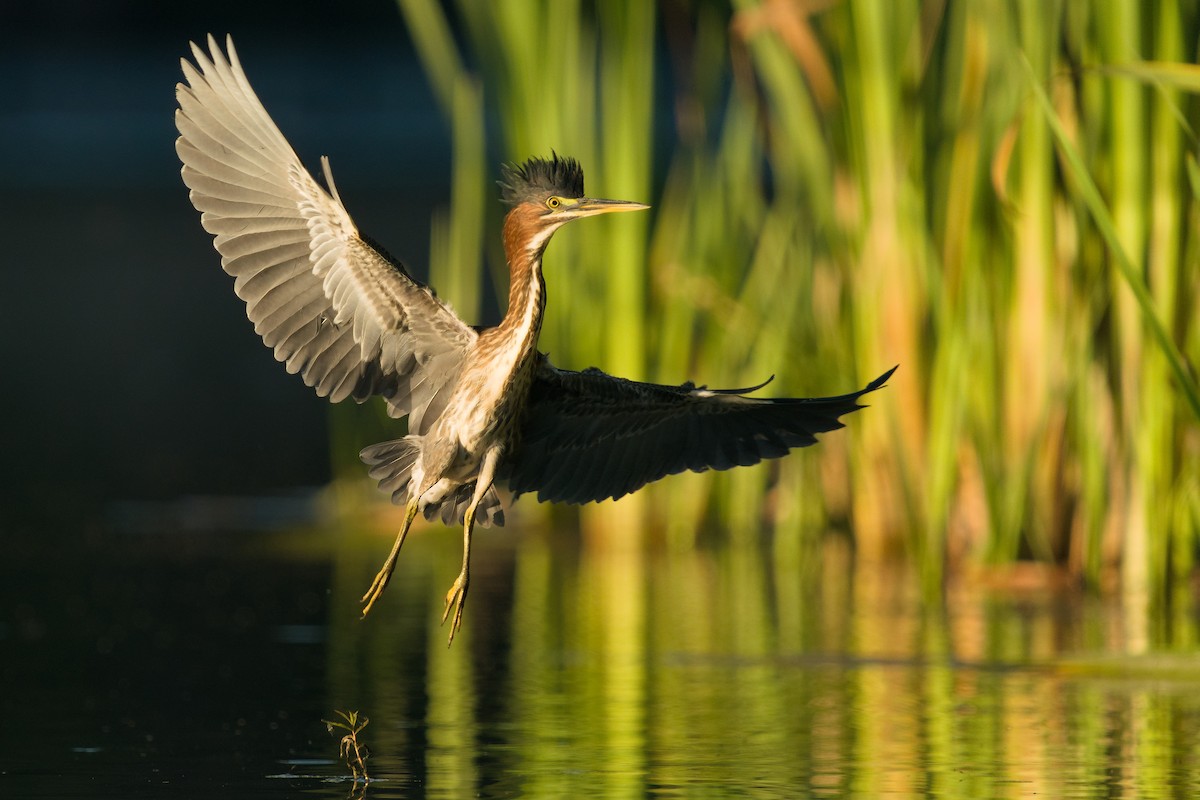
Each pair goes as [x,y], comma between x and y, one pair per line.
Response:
[632,673]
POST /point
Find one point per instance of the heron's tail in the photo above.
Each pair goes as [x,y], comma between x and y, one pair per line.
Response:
[391,464]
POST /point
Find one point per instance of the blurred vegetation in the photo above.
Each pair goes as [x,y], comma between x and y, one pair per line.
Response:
[999,196]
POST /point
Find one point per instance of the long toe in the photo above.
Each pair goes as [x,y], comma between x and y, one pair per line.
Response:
[377,586]
[456,597]
[373,591]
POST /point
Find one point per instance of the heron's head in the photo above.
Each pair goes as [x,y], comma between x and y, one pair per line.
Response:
[545,194]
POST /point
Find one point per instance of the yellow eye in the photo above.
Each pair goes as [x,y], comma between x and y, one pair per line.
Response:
[553,202]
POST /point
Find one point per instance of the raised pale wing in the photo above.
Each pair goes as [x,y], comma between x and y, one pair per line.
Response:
[334,309]
[588,436]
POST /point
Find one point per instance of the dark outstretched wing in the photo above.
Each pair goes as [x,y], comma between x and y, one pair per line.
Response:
[588,436]
[331,306]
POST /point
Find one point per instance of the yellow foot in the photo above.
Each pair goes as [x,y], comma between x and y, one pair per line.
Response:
[456,596]
[377,586]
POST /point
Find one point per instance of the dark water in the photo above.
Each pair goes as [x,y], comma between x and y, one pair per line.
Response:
[162,654]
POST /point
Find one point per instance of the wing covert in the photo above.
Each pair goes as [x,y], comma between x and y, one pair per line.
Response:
[588,436]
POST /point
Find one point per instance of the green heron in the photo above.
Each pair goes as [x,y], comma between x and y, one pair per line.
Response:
[484,407]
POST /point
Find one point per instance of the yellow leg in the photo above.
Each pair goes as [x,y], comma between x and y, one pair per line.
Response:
[385,573]
[458,592]
[457,595]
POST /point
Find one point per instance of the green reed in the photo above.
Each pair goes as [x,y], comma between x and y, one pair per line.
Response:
[998,196]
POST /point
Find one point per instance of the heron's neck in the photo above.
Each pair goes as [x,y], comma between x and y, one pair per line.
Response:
[526,298]
[527,288]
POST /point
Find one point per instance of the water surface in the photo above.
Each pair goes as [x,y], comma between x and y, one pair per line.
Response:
[165,658]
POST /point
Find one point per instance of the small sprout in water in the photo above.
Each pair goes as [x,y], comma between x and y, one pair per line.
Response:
[355,753]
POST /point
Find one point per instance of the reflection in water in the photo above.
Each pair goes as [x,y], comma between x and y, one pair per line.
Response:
[623,673]
[209,660]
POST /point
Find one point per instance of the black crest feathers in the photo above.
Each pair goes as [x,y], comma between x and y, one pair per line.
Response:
[539,177]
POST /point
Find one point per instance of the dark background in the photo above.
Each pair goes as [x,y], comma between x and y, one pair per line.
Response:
[130,370]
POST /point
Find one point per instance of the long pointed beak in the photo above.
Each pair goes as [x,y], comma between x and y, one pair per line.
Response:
[590,206]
